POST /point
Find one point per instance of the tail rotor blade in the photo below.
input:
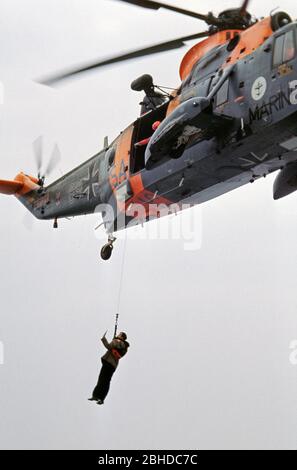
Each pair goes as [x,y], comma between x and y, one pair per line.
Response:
[38,152]
[54,160]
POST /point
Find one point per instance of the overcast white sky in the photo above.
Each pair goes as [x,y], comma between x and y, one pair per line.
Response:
[210,330]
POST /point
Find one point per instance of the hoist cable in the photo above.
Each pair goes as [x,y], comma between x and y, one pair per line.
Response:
[120,286]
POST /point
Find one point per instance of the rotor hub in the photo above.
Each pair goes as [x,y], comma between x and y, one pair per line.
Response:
[234,18]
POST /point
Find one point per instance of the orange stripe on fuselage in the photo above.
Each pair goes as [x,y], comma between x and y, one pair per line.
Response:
[121,168]
[250,40]
[173,104]
[121,172]
[202,48]
[136,184]
[153,205]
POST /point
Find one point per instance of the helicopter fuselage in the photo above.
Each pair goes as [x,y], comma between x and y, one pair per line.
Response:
[248,130]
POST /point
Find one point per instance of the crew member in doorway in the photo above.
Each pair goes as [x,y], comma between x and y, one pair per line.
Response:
[116,349]
[151,100]
[144,142]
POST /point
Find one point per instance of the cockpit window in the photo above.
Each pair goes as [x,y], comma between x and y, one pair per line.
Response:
[208,60]
[284,48]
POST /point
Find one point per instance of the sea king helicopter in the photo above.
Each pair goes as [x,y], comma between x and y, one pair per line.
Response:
[232,120]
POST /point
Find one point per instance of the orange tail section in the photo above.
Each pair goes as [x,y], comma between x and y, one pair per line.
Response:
[21,185]
[10,187]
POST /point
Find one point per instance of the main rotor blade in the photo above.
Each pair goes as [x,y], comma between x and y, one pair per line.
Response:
[38,152]
[154,49]
[53,161]
[152,5]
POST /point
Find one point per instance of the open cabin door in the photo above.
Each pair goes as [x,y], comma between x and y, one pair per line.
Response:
[143,129]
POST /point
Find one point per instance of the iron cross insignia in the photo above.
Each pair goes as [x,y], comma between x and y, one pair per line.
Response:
[91,182]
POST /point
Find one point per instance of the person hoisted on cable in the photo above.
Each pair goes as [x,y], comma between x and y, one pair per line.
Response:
[116,349]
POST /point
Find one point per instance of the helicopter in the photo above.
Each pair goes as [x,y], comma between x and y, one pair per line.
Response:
[231,121]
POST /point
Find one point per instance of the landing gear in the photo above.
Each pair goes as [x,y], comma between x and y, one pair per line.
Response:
[106,250]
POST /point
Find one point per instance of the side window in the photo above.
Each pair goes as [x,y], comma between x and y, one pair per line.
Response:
[284,48]
[222,94]
[289,46]
[278,50]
